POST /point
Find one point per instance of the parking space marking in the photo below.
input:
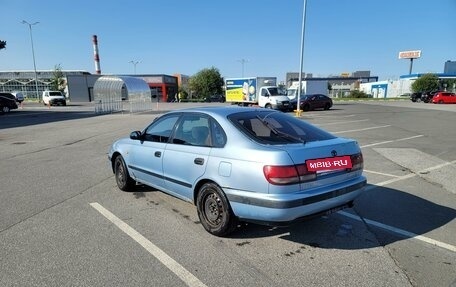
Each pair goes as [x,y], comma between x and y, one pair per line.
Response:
[400,231]
[187,277]
[341,123]
[398,140]
[381,173]
[360,130]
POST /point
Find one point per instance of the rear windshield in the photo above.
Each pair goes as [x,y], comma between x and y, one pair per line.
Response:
[55,93]
[276,128]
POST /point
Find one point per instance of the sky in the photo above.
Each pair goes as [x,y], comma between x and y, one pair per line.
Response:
[238,37]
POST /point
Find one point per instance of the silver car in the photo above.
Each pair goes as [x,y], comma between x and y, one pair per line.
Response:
[242,164]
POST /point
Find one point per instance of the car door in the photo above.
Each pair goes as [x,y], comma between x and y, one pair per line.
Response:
[186,156]
[147,155]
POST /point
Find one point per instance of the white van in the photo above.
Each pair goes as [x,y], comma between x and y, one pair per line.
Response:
[54,98]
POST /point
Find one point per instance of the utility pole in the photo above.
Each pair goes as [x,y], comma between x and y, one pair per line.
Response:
[33,55]
[243,61]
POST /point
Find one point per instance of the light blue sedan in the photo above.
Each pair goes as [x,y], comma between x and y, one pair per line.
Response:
[242,164]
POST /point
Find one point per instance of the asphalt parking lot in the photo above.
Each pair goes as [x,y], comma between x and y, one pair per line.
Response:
[63,222]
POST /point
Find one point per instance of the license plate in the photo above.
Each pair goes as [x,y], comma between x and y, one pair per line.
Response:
[329,163]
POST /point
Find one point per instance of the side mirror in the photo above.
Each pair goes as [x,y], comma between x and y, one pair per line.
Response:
[136,135]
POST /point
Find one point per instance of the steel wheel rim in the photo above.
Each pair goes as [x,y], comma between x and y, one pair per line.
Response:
[120,173]
[213,209]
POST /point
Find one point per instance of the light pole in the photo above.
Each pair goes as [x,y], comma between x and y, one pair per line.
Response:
[33,54]
[134,65]
[243,61]
[298,112]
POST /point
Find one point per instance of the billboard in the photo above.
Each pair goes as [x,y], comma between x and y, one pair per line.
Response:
[410,54]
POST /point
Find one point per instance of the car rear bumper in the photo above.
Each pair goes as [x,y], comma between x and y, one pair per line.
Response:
[282,209]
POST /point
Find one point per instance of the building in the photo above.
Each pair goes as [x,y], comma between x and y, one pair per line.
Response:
[398,88]
[78,85]
[340,85]
[24,81]
[450,67]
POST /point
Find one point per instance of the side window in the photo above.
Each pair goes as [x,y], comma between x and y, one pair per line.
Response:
[160,131]
[218,134]
[193,129]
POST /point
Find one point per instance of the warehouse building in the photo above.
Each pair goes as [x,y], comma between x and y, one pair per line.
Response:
[78,85]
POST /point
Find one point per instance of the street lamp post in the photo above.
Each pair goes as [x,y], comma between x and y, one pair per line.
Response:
[134,65]
[33,55]
[243,61]
[298,112]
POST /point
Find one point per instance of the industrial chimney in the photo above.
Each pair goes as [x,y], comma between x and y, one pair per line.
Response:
[96,57]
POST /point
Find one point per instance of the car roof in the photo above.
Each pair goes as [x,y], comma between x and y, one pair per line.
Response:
[223,111]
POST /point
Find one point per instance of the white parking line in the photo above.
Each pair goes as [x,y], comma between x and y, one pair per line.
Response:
[381,173]
[400,231]
[166,260]
[360,130]
[385,142]
[345,122]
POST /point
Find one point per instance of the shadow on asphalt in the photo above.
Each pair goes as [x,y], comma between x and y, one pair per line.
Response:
[394,208]
[22,118]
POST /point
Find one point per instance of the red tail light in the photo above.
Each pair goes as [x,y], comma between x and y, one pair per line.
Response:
[288,174]
[357,161]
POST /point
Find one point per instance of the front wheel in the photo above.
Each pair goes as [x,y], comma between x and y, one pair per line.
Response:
[214,210]
[268,106]
[5,109]
[123,179]
[327,106]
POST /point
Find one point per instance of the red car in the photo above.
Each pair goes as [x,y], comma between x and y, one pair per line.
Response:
[444,98]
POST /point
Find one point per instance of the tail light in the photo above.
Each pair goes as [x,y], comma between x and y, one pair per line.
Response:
[357,161]
[288,174]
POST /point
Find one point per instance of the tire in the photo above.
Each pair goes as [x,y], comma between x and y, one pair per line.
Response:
[327,106]
[5,109]
[214,210]
[441,102]
[268,106]
[306,107]
[123,179]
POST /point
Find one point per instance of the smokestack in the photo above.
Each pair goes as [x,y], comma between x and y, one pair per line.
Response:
[96,57]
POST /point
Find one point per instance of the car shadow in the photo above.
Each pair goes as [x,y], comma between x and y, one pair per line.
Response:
[357,228]
[351,228]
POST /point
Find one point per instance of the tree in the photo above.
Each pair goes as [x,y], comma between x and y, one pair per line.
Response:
[2,44]
[448,84]
[58,80]
[426,83]
[206,82]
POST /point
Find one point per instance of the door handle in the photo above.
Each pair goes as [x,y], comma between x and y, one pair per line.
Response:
[199,161]
[157,154]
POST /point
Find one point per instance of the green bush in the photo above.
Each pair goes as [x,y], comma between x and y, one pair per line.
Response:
[358,94]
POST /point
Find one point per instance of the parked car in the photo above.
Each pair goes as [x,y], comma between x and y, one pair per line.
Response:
[54,98]
[427,97]
[312,102]
[241,164]
[416,97]
[18,96]
[7,102]
[444,98]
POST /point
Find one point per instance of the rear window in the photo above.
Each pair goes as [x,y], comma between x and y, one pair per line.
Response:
[276,128]
[55,94]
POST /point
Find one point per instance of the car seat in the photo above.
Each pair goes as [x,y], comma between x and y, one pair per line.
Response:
[200,135]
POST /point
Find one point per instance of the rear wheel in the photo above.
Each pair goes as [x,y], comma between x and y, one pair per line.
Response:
[214,210]
[306,107]
[327,106]
[123,179]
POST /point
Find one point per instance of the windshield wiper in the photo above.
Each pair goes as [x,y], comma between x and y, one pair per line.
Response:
[278,132]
